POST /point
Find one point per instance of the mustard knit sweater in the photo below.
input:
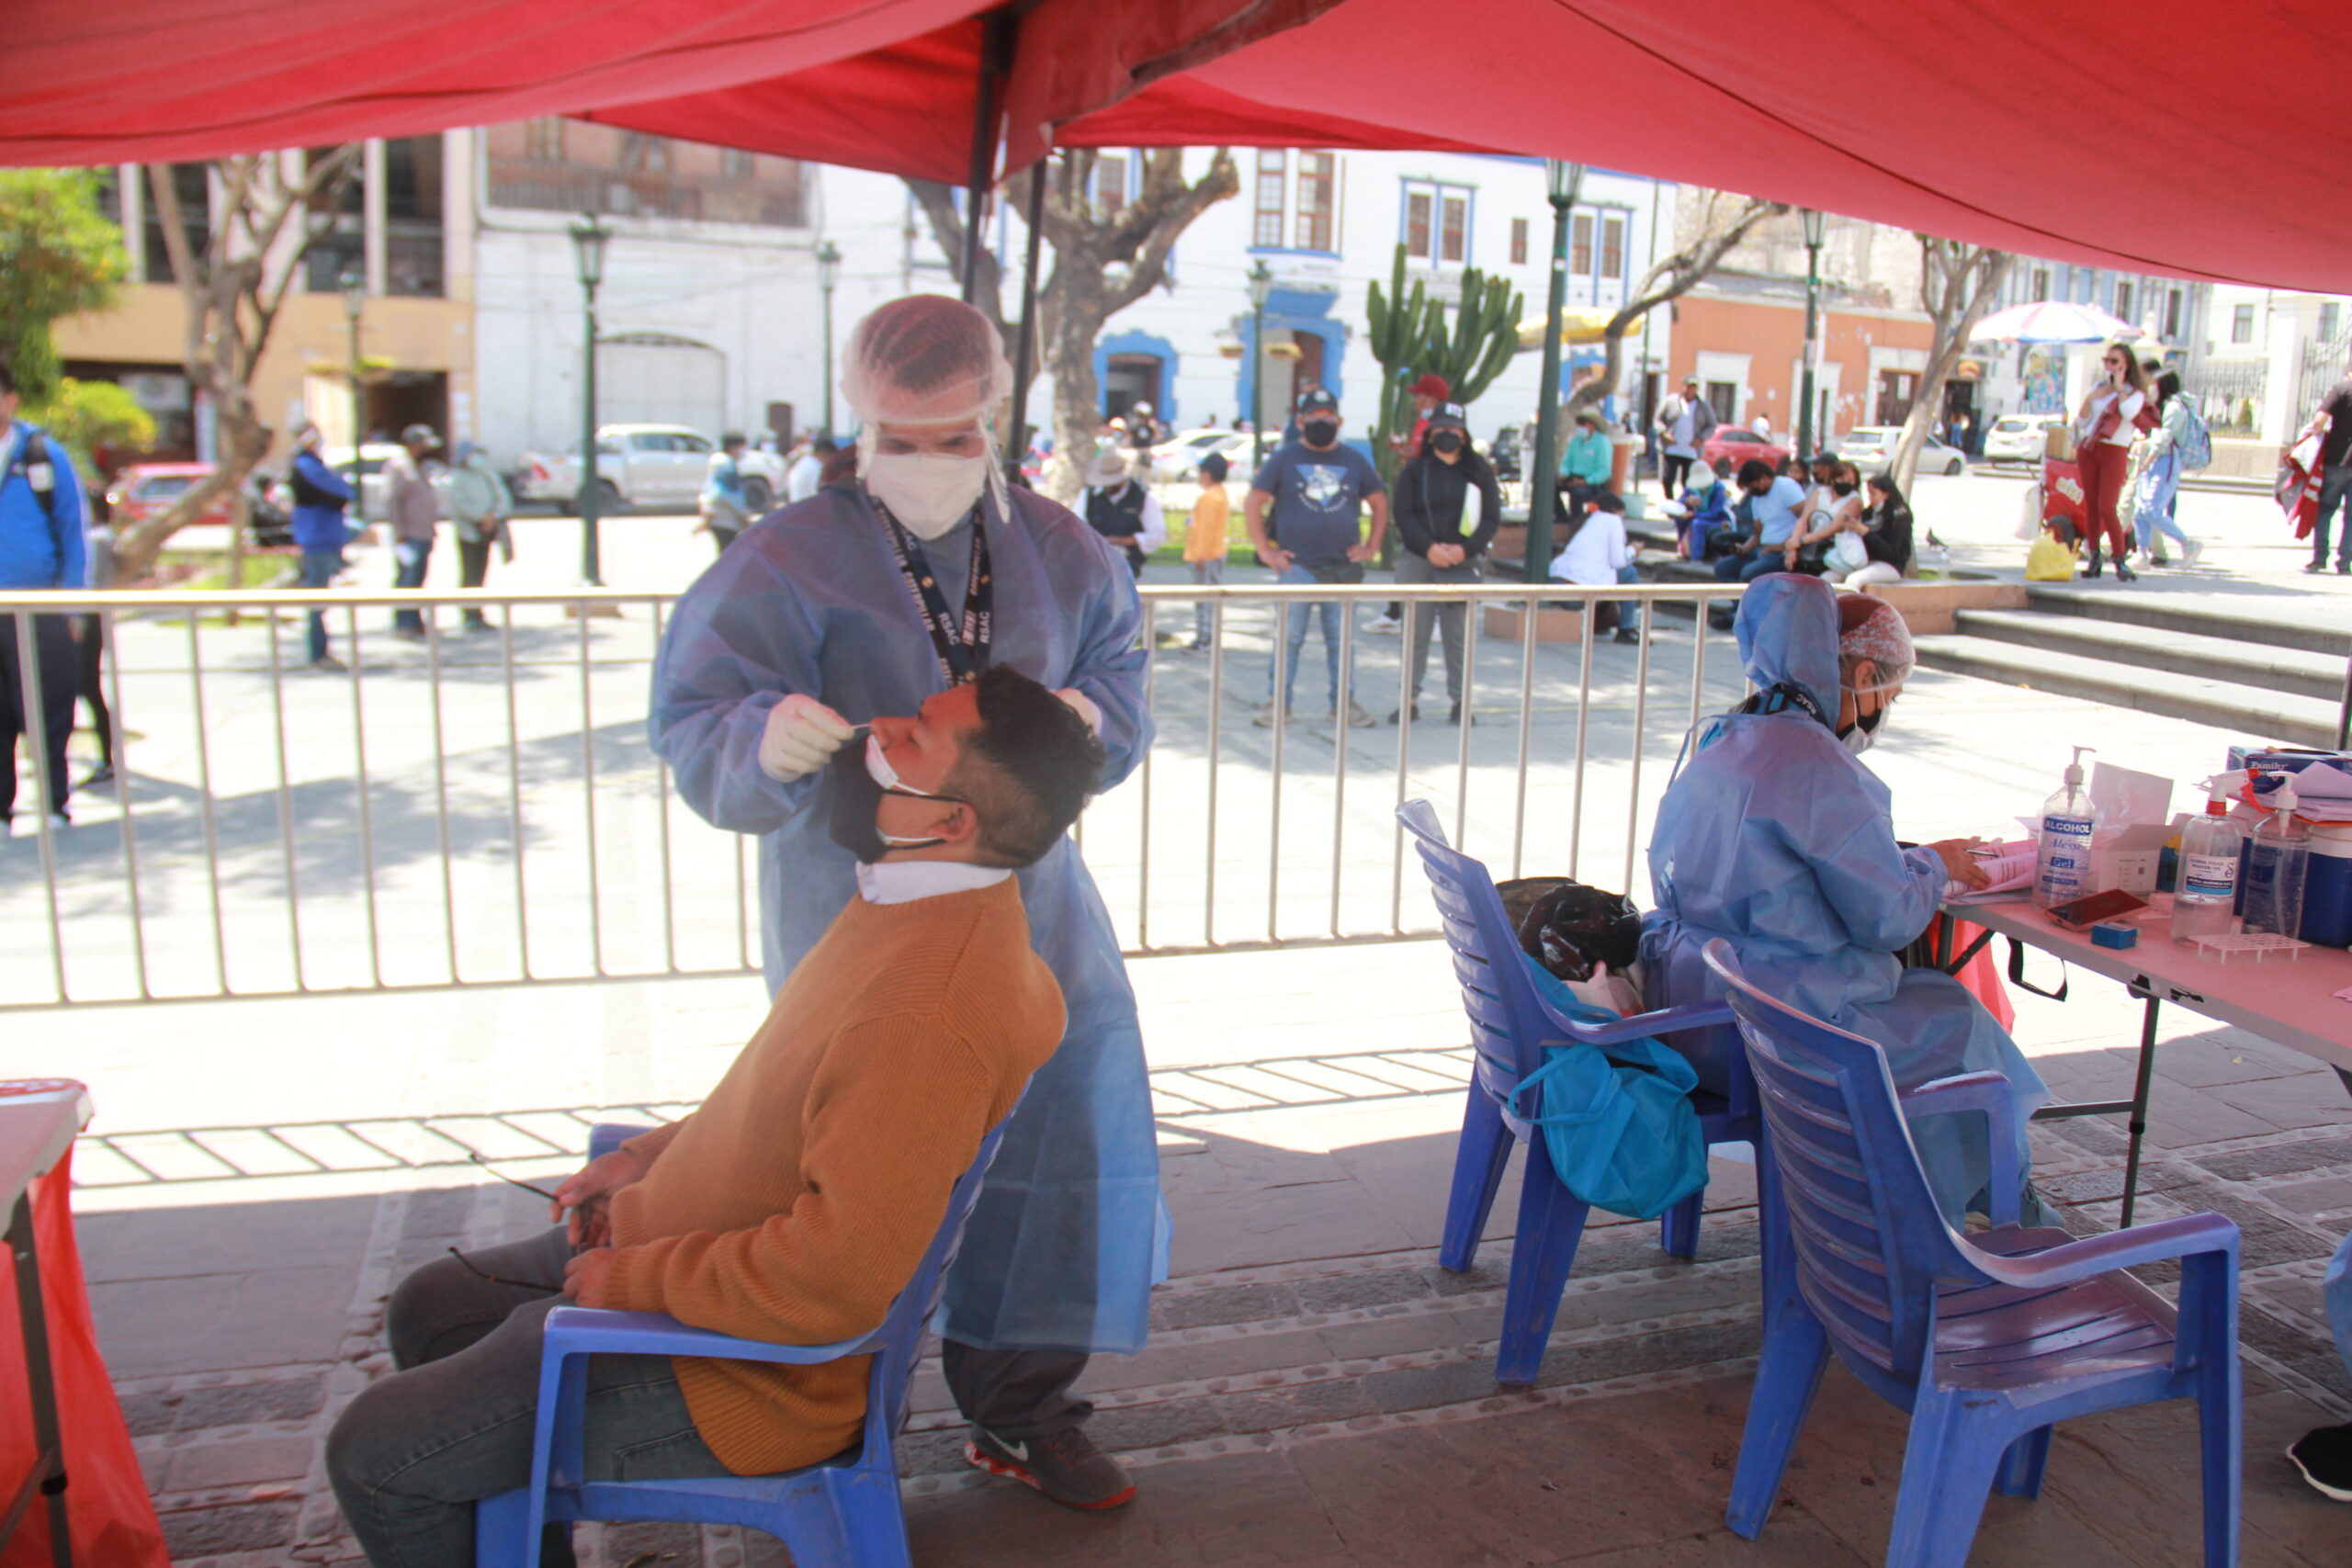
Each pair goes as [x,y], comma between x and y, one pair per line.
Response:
[796,1202]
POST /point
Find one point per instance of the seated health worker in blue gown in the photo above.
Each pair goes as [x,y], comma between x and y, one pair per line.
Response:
[2324,1453]
[1777,839]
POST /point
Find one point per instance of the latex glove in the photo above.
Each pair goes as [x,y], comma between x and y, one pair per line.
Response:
[1083,705]
[801,734]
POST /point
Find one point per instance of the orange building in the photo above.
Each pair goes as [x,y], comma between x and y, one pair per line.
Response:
[1744,338]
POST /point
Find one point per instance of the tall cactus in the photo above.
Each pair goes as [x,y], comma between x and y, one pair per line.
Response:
[1410,337]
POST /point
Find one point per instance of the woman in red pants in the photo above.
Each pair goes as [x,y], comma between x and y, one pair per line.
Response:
[2118,409]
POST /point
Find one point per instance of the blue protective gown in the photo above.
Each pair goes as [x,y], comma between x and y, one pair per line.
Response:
[1778,840]
[1062,1249]
[2336,1287]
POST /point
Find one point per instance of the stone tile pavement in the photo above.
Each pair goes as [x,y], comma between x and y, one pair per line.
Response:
[1317,1391]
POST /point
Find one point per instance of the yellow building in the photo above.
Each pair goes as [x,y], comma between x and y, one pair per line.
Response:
[402,229]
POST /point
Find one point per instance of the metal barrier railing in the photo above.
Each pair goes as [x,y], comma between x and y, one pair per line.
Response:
[484,808]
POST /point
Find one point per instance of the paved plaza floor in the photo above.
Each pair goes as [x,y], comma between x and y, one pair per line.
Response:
[1317,1391]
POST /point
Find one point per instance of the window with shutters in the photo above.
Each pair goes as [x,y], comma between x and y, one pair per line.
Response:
[1519,242]
[1580,245]
[1273,166]
[1319,181]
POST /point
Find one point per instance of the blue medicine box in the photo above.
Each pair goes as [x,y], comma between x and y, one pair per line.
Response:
[2114,933]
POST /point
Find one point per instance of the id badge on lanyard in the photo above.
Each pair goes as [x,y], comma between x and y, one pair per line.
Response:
[961,641]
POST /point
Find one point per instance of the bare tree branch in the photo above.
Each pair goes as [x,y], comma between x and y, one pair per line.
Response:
[1958,283]
[1669,278]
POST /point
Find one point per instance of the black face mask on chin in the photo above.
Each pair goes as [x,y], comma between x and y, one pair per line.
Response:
[856,798]
[1319,432]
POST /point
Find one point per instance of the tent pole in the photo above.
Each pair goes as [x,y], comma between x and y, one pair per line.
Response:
[997,31]
[1025,347]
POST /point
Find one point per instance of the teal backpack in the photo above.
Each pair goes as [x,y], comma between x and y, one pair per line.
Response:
[1617,1120]
[2196,441]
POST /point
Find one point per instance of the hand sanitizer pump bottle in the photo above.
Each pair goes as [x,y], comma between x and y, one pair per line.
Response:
[2062,870]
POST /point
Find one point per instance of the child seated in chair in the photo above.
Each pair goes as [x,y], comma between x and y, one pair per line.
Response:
[798,1199]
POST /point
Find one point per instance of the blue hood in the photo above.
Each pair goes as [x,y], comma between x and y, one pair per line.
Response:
[1788,631]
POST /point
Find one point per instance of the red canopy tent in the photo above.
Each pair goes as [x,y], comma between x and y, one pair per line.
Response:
[2017,123]
[2035,126]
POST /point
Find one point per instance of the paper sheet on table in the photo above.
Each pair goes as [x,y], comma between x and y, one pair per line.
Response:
[2008,871]
[2125,798]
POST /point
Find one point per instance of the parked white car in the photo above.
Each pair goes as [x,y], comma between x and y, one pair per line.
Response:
[373,455]
[2020,437]
[1180,458]
[1873,445]
[649,466]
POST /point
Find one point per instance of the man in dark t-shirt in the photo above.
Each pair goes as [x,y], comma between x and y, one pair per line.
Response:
[2335,478]
[1317,490]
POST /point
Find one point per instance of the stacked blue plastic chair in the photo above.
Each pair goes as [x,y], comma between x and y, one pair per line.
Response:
[843,1513]
[1987,1339]
[1509,1026]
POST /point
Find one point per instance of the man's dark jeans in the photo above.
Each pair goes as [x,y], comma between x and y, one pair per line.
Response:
[413,556]
[2335,486]
[319,568]
[413,1454]
[58,676]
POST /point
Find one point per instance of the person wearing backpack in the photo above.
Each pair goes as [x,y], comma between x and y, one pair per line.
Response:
[2158,461]
[41,546]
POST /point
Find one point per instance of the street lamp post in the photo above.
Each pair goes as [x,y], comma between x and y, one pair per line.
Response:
[589,238]
[1261,284]
[1814,222]
[1562,181]
[355,300]
[829,272]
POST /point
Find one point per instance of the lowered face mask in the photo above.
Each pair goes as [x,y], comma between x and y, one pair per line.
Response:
[861,777]
[926,491]
[1863,733]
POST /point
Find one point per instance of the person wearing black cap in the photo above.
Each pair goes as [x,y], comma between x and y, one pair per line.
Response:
[1316,489]
[1448,506]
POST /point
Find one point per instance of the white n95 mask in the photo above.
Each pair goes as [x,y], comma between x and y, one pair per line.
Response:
[927,492]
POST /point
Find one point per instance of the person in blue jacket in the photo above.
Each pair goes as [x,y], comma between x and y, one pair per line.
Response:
[2324,1455]
[865,600]
[1778,840]
[41,546]
[320,531]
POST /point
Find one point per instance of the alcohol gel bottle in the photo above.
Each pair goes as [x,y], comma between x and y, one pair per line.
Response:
[2275,864]
[2206,886]
[2062,870]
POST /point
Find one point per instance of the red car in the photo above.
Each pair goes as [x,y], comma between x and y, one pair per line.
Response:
[144,489]
[1731,445]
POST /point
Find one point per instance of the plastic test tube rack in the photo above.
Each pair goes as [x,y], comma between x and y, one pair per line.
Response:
[2260,945]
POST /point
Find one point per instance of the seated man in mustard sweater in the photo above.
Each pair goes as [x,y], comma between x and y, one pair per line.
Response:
[796,1203]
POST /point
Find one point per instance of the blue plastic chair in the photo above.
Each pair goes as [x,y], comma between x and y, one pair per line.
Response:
[1510,1024]
[1987,1339]
[843,1513]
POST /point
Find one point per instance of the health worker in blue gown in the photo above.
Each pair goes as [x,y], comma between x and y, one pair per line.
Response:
[2324,1455]
[863,601]
[1777,839]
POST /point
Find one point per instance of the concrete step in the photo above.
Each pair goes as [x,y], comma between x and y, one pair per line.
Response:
[2290,671]
[2312,629]
[2249,711]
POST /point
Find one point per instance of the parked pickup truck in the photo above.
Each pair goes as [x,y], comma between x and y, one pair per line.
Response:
[651,465]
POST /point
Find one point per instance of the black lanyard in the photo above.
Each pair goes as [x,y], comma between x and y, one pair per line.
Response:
[961,642]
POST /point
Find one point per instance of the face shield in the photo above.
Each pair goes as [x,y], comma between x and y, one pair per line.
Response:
[932,362]
[1870,631]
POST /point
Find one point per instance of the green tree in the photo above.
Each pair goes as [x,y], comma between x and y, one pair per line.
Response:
[58,255]
[86,415]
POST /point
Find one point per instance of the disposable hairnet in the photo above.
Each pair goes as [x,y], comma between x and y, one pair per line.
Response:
[925,359]
[1871,628]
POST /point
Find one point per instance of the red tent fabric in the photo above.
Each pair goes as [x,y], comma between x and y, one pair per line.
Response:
[2172,136]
